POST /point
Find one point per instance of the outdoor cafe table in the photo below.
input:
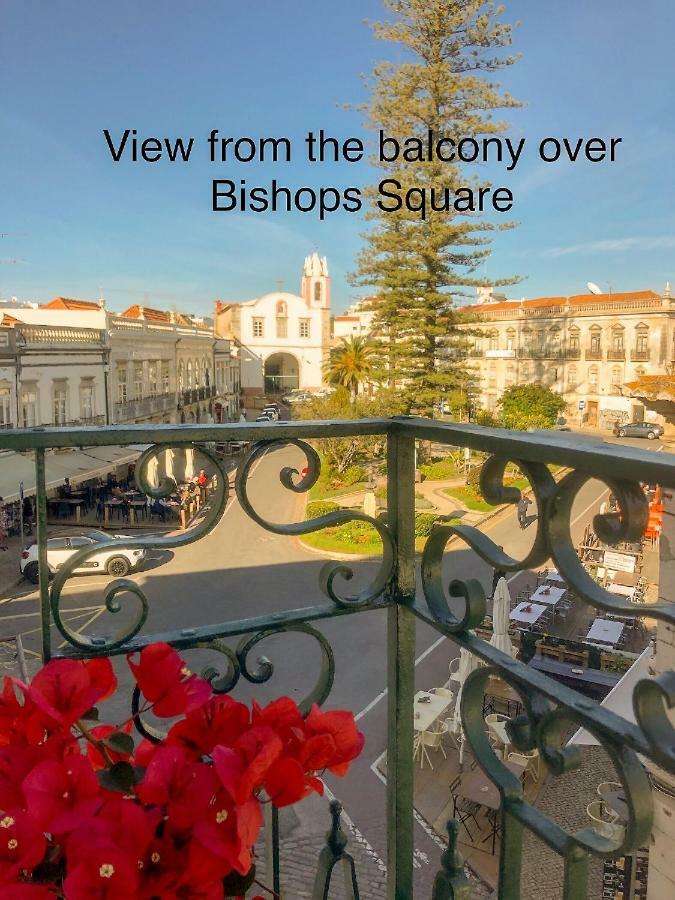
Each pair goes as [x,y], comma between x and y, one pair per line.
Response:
[616,800]
[477,788]
[527,613]
[70,501]
[548,594]
[622,590]
[605,631]
[554,575]
[428,710]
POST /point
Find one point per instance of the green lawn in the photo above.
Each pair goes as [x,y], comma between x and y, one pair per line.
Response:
[358,538]
[468,498]
[323,491]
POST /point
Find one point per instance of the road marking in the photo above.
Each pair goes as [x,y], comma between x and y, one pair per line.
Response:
[98,612]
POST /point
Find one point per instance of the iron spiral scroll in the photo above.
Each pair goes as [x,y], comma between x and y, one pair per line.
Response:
[550,710]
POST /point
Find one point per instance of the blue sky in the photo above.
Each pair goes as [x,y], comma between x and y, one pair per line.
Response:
[79,224]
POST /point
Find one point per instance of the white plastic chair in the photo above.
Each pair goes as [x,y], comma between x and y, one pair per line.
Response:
[453,669]
[494,735]
[603,823]
[431,740]
[530,761]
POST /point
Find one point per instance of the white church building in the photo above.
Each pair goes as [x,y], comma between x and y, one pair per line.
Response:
[283,339]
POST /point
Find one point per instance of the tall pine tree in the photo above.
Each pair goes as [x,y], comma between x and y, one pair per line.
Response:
[418,267]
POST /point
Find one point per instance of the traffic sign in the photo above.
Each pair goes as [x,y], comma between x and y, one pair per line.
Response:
[582,404]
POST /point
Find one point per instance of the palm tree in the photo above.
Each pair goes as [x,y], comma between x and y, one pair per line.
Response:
[351,363]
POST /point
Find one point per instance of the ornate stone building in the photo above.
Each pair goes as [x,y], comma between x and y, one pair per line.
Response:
[585,347]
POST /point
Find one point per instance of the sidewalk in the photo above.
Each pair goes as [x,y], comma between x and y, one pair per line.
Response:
[10,576]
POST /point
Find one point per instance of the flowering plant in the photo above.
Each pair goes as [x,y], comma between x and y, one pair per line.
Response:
[85,813]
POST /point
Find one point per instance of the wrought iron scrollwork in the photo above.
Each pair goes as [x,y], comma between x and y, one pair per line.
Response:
[294,481]
[239,666]
[123,587]
[544,727]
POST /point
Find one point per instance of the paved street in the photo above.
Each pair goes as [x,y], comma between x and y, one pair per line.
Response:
[241,570]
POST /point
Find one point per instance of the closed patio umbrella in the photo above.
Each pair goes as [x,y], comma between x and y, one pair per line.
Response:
[467,663]
[189,464]
[501,607]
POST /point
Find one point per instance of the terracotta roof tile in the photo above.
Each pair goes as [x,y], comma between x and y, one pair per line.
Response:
[574,300]
[70,303]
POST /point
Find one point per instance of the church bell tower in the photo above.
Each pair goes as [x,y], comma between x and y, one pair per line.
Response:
[315,288]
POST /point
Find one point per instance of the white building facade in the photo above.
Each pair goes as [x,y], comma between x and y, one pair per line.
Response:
[585,347]
[283,339]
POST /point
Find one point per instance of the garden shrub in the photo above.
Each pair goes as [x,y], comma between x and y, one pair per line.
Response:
[443,468]
[424,523]
[353,475]
[320,508]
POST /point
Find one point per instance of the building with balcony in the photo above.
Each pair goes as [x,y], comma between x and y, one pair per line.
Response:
[585,347]
[283,339]
[357,321]
[51,375]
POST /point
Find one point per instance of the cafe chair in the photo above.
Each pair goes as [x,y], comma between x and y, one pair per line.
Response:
[528,759]
[464,810]
[604,789]
[604,823]
[431,740]
[442,692]
[453,669]
[494,736]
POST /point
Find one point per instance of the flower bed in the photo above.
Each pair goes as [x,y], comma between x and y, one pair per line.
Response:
[87,813]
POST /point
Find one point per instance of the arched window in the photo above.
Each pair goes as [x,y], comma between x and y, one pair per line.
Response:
[593,379]
[572,378]
[554,337]
[181,375]
[282,319]
[317,291]
[573,341]
[493,340]
[205,372]
[198,380]
[189,374]
[510,338]
[527,337]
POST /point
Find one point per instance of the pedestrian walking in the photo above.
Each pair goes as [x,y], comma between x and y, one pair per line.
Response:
[185,501]
[523,503]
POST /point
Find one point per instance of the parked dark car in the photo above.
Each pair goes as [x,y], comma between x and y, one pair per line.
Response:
[648,430]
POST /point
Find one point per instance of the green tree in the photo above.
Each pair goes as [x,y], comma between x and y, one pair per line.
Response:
[352,363]
[418,267]
[530,406]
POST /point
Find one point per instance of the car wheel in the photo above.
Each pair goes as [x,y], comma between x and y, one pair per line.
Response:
[622,432]
[118,567]
[651,435]
[31,573]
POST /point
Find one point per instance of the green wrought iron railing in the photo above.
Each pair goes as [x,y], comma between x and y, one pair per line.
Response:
[549,707]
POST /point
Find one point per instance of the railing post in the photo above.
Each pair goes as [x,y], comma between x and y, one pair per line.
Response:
[401,668]
[43,569]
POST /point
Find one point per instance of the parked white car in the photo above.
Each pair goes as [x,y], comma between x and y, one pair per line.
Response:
[115,561]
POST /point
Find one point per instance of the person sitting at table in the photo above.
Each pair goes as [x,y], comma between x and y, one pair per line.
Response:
[159,508]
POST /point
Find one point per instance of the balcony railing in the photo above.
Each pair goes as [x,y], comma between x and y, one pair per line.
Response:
[616,355]
[540,352]
[594,354]
[573,353]
[197,394]
[406,597]
[639,355]
[133,410]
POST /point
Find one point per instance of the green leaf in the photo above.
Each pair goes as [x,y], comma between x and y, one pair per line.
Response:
[91,715]
[120,742]
[120,777]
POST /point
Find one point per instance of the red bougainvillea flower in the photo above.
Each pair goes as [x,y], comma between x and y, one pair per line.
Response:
[166,682]
[183,787]
[120,823]
[287,782]
[229,832]
[285,718]
[15,763]
[96,758]
[19,722]
[62,795]
[221,720]
[22,845]
[66,688]
[243,770]
[102,873]
[341,727]
[20,890]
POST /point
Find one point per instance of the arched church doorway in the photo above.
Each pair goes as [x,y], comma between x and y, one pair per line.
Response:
[282,373]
